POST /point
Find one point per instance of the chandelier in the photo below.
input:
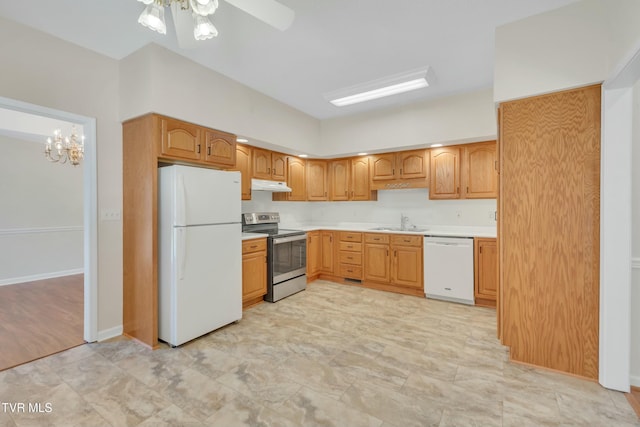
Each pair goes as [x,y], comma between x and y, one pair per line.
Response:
[65,149]
[152,16]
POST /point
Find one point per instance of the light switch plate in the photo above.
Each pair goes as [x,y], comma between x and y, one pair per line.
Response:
[110,215]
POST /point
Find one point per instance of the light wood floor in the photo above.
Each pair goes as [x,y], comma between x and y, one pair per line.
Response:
[40,318]
[634,399]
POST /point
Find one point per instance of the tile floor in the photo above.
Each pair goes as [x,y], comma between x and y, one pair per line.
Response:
[333,355]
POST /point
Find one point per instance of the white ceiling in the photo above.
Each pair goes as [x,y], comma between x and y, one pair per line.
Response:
[332,44]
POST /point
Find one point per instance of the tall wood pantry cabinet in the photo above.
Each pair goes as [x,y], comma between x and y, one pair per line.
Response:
[148,140]
[549,229]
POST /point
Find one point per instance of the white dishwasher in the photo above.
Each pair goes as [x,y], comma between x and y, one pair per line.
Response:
[448,268]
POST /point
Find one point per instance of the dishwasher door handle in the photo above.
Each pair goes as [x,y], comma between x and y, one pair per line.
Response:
[447,244]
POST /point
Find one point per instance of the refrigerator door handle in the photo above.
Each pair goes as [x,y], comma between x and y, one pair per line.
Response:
[181,202]
[182,255]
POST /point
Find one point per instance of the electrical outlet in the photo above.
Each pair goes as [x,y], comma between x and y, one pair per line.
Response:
[458,214]
[110,215]
[492,215]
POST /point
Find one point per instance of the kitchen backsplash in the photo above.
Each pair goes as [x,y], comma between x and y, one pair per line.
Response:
[413,203]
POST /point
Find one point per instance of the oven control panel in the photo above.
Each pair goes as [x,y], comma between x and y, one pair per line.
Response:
[261,218]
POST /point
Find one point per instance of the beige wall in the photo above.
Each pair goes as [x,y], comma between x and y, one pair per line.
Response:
[462,118]
[41,224]
[42,70]
[572,46]
[156,79]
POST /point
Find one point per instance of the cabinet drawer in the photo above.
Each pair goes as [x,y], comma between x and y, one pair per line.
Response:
[353,247]
[376,238]
[354,258]
[347,236]
[350,271]
[254,245]
[406,240]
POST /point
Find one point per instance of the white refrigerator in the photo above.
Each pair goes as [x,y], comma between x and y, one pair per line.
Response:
[199,253]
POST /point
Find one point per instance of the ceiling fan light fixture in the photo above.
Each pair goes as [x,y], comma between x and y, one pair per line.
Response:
[203,28]
[152,17]
[203,7]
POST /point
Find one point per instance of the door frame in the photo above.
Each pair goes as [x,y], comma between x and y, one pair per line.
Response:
[90,205]
[616,224]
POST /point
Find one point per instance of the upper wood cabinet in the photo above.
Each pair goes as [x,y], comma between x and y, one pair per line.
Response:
[412,164]
[180,140]
[317,180]
[360,184]
[404,169]
[464,171]
[445,173]
[243,164]
[220,148]
[339,179]
[480,172]
[185,141]
[296,179]
[269,165]
[349,180]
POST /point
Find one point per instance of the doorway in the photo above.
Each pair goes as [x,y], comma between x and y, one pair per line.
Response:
[78,286]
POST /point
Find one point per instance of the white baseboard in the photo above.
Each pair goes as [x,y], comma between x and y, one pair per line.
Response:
[43,276]
[106,334]
[635,380]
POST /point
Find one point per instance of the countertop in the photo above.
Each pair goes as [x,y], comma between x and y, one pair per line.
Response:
[426,230]
[250,236]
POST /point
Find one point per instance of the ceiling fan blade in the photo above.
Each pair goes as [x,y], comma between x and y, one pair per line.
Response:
[269,11]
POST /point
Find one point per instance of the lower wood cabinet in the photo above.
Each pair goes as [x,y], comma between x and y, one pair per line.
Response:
[350,255]
[406,261]
[327,252]
[254,271]
[486,271]
[394,260]
[314,254]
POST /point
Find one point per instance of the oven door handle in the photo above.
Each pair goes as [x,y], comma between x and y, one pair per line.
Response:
[279,240]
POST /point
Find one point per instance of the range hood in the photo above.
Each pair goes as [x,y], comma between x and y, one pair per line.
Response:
[266,185]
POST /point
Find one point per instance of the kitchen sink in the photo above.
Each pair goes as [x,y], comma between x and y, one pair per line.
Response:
[410,229]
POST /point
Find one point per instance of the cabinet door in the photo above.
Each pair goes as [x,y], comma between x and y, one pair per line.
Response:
[445,173]
[261,163]
[360,185]
[339,180]
[296,179]
[486,275]
[407,266]
[180,140]
[313,252]
[328,251]
[243,164]
[376,262]
[480,171]
[220,148]
[278,166]
[412,164]
[383,167]
[317,180]
[254,275]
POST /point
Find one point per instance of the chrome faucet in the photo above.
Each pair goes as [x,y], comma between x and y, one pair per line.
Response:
[404,220]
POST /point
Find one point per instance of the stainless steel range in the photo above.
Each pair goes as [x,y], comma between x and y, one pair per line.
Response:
[286,254]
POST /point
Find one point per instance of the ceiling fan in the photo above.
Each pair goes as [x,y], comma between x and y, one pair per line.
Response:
[191,17]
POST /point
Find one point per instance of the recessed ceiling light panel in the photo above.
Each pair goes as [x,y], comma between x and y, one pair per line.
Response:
[387,86]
